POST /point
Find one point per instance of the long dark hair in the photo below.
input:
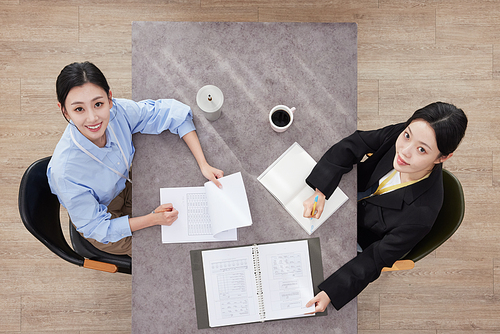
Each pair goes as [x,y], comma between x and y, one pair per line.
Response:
[449,124]
[78,74]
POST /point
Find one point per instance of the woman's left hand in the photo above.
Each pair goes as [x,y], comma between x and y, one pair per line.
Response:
[212,174]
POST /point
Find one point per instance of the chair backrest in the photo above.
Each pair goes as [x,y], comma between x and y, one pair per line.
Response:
[449,219]
[39,210]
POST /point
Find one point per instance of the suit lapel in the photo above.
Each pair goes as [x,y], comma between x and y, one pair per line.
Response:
[394,199]
[383,167]
[416,190]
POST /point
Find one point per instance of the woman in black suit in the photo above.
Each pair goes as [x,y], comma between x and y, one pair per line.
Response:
[400,192]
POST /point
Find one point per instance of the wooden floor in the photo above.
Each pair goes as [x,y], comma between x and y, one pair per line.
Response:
[410,53]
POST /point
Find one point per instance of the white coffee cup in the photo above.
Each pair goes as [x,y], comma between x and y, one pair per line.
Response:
[281,117]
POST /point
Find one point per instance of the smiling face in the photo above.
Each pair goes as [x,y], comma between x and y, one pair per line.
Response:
[88,107]
[416,151]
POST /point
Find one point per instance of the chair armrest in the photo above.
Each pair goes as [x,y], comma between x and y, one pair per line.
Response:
[400,265]
[102,266]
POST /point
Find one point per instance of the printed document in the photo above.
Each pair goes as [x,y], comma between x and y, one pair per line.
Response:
[257,283]
[207,213]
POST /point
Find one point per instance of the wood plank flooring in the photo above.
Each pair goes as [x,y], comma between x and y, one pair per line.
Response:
[410,53]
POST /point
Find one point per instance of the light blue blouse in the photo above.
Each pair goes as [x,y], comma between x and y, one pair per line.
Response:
[85,187]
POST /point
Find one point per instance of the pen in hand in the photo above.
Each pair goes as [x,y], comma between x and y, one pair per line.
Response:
[162,210]
[165,214]
[314,206]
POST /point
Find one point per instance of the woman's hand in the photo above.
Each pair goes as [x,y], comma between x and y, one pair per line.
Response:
[165,214]
[309,204]
[321,300]
[212,174]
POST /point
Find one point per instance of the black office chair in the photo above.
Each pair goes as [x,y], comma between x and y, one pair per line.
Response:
[449,219]
[40,210]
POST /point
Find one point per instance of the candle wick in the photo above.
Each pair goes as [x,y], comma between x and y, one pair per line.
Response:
[209,97]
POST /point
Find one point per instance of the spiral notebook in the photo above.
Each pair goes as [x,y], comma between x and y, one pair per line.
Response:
[256,283]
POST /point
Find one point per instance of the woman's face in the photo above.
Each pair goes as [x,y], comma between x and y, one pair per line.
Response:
[88,107]
[417,151]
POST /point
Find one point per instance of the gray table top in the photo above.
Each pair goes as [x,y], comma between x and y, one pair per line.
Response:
[310,66]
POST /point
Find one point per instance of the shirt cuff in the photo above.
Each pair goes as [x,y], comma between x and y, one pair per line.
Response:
[186,127]
[121,228]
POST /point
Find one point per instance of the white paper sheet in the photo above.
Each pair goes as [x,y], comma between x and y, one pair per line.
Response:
[230,286]
[225,209]
[286,279]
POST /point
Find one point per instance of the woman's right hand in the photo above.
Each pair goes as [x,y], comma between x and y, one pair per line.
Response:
[165,214]
[309,204]
[320,301]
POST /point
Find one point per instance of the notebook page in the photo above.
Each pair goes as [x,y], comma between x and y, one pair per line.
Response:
[286,279]
[285,178]
[230,286]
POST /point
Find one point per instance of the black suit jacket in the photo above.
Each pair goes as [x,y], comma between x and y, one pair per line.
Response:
[389,225]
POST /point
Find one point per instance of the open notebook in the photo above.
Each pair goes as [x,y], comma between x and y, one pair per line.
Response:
[256,283]
[207,213]
[285,180]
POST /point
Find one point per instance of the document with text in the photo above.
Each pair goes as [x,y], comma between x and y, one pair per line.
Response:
[207,213]
[256,283]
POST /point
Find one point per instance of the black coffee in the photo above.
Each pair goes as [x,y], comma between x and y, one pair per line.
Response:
[280,118]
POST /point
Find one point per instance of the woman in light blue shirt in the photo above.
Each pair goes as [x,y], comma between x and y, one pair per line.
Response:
[91,163]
